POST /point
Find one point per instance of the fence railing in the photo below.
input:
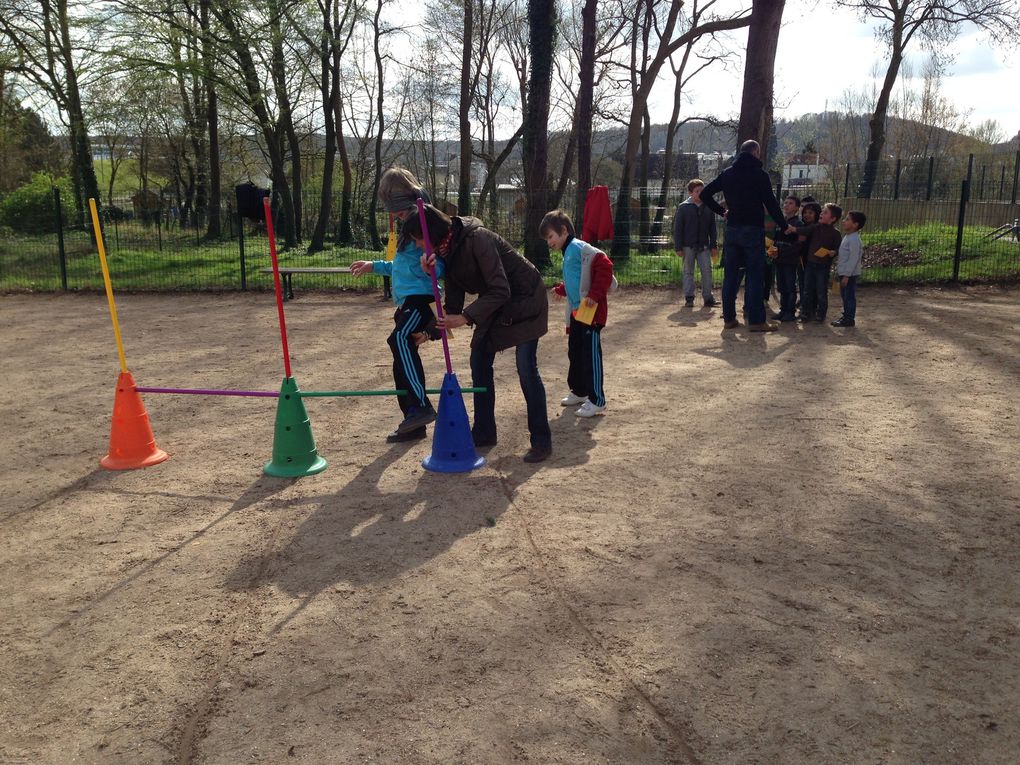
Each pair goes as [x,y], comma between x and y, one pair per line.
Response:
[921,228]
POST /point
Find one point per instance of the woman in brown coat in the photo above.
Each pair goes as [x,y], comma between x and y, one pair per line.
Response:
[511,311]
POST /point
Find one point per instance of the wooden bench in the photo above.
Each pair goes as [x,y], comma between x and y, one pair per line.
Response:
[288,275]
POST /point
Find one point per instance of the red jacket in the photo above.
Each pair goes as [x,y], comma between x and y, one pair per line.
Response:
[597,224]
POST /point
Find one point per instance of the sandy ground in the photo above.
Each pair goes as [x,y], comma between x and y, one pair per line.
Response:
[795,548]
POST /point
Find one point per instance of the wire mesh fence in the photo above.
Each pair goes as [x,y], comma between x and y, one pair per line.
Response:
[929,220]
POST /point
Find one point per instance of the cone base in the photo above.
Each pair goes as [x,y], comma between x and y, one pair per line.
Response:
[439,465]
[115,463]
[295,471]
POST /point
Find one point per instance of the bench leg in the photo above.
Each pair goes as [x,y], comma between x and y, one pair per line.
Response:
[288,286]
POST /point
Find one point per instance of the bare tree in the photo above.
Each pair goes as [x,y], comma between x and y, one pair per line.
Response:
[933,23]
[699,23]
[756,101]
[542,25]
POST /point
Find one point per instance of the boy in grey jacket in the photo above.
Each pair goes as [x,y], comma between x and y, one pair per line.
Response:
[694,238]
[848,266]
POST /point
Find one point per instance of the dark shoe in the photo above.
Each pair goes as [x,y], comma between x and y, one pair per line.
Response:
[396,437]
[418,418]
[538,454]
[731,324]
[804,318]
[711,302]
[786,317]
[482,443]
[763,327]
[820,319]
[688,302]
[843,322]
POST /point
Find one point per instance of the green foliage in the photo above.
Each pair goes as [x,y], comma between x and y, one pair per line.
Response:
[30,209]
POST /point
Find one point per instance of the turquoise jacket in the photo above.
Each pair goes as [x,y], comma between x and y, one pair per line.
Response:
[405,271]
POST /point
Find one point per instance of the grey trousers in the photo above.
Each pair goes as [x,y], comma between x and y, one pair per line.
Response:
[704,258]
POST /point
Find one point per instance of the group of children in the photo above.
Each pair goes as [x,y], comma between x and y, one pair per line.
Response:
[801,257]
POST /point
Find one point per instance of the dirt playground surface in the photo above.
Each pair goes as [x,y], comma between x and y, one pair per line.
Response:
[794,548]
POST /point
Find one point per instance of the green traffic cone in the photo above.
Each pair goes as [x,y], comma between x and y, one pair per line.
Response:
[294,453]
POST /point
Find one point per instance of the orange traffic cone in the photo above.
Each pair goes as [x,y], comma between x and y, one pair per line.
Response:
[132,444]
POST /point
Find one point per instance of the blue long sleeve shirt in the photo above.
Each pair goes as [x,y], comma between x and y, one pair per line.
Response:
[405,271]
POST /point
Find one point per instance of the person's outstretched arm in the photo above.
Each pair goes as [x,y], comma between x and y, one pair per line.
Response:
[708,195]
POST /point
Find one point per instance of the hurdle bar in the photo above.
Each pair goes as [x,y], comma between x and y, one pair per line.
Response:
[302,394]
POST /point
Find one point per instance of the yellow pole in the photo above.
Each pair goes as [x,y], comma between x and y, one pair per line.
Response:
[106,281]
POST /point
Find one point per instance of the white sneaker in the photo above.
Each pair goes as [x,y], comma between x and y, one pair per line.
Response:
[572,398]
[588,409]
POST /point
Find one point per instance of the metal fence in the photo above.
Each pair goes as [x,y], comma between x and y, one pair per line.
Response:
[929,220]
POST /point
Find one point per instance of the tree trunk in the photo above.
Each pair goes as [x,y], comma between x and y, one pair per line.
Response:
[286,123]
[493,168]
[464,112]
[214,230]
[568,164]
[345,231]
[80,145]
[325,83]
[585,107]
[759,74]
[644,243]
[877,122]
[535,139]
[373,226]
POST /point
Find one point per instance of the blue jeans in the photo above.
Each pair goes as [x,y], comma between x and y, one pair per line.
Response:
[744,249]
[484,428]
[849,296]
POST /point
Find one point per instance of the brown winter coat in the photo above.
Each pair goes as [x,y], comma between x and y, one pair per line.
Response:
[512,306]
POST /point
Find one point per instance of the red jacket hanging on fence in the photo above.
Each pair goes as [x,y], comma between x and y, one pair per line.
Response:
[598,215]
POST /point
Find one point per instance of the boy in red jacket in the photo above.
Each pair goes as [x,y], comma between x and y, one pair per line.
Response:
[587,279]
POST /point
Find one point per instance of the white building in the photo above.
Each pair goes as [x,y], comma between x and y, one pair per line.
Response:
[803,170]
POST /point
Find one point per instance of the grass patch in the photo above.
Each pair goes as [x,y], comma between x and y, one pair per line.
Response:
[142,258]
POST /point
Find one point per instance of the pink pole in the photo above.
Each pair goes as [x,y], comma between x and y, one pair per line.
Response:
[276,281]
[435,282]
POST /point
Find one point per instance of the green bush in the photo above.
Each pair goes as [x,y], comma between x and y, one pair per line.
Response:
[30,208]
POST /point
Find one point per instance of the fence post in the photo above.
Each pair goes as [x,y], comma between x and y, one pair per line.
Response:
[60,239]
[896,180]
[240,247]
[931,177]
[961,219]
[1002,182]
[981,186]
[846,182]
[1016,177]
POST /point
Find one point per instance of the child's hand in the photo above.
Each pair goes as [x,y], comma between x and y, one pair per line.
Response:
[360,267]
[844,281]
[428,263]
[587,301]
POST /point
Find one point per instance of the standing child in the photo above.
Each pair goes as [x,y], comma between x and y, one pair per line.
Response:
[787,261]
[412,293]
[822,244]
[694,239]
[848,267]
[587,279]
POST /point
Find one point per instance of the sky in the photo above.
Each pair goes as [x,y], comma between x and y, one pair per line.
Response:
[823,50]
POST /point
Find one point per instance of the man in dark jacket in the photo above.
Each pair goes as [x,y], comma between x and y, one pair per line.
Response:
[748,191]
[694,238]
[511,310]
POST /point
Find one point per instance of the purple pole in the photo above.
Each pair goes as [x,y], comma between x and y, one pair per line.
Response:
[211,392]
[435,281]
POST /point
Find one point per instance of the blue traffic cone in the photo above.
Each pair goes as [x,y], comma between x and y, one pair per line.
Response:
[453,449]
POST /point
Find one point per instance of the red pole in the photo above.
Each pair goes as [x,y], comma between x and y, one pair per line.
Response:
[276,281]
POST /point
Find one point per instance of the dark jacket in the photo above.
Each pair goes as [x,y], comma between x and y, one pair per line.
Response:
[747,189]
[789,247]
[693,226]
[512,306]
[820,236]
